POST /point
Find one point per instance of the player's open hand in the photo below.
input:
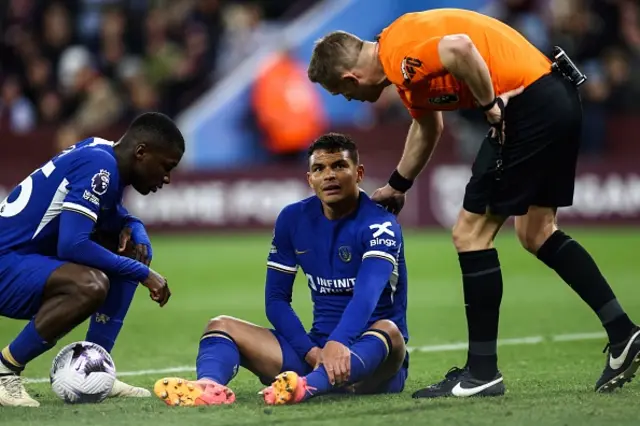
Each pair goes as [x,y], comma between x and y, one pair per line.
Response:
[158,287]
[393,200]
[494,115]
[336,359]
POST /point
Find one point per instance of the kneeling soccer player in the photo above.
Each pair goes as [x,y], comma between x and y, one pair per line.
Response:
[350,250]
[55,227]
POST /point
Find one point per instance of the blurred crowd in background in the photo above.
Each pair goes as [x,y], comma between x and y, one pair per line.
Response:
[601,36]
[81,66]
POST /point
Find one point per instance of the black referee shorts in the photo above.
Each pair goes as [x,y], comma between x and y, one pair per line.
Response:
[539,155]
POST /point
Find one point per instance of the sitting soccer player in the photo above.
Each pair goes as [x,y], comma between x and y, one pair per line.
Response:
[350,250]
[54,268]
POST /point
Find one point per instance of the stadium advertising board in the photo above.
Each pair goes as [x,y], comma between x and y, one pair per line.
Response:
[607,190]
[606,194]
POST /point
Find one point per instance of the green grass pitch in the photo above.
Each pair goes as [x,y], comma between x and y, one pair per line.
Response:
[549,379]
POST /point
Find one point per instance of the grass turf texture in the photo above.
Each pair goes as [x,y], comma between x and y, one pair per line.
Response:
[549,383]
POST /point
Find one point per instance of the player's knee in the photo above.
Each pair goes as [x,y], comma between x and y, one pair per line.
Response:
[222,323]
[473,232]
[393,333]
[533,231]
[91,287]
[529,239]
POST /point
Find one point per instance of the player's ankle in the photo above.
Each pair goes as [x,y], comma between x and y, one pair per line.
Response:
[620,329]
[6,368]
[205,379]
[5,371]
[301,393]
[483,367]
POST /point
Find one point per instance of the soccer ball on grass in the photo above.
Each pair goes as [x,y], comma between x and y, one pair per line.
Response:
[82,372]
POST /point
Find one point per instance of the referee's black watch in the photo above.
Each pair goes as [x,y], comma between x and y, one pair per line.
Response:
[490,105]
[399,182]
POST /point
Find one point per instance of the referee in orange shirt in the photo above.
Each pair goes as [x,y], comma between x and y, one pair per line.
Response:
[448,59]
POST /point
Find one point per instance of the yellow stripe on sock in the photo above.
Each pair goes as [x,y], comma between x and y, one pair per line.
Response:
[6,354]
[379,336]
[214,335]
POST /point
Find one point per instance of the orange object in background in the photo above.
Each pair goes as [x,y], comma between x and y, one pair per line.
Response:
[287,106]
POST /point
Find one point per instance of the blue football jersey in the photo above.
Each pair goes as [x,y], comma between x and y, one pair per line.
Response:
[330,253]
[83,178]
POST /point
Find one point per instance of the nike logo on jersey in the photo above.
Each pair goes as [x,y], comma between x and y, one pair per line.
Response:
[458,390]
[301,251]
[616,363]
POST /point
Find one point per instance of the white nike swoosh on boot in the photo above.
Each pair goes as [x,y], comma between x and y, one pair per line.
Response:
[458,390]
[616,363]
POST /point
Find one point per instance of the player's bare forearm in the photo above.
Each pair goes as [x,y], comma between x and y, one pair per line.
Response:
[461,58]
[422,139]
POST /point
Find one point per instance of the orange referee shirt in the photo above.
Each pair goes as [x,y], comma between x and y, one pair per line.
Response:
[408,50]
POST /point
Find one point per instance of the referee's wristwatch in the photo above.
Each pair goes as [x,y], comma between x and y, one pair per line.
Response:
[496,101]
[490,105]
[399,182]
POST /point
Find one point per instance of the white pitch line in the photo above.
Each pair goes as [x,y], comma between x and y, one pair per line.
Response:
[183,369]
[578,336]
[458,346]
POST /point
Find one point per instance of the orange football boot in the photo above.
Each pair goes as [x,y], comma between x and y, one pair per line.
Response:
[287,388]
[187,393]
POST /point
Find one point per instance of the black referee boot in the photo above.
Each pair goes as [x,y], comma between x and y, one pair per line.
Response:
[459,382]
[622,367]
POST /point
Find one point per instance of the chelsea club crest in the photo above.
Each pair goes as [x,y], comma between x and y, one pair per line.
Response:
[345,253]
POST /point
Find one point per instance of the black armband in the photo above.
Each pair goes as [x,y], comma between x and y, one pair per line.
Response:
[490,105]
[399,182]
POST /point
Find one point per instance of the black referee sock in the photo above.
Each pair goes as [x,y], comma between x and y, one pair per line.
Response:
[482,283]
[578,269]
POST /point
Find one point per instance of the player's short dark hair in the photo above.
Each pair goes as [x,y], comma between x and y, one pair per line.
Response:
[332,55]
[335,142]
[157,129]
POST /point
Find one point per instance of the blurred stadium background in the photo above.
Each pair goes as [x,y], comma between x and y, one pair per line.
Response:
[233,74]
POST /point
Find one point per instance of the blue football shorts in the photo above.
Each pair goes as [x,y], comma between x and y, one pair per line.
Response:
[22,281]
